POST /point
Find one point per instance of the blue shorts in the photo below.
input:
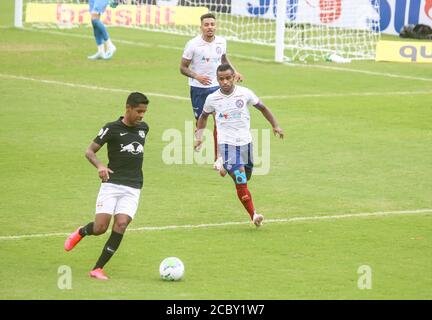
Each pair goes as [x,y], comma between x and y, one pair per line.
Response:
[97,6]
[235,157]
[198,98]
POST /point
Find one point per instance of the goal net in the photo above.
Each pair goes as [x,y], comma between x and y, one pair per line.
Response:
[299,29]
[319,28]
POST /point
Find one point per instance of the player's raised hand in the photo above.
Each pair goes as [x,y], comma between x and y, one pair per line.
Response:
[238,77]
[277,131]
[204,80]
[104,173]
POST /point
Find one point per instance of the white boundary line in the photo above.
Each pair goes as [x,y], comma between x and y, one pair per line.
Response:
[90,87]
[223,224]
[174,97]
[371,73]
[348,94]
[142,44]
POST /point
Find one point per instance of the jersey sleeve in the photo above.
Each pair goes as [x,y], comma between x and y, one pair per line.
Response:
[208,106]
[224,47]
[188,51]
[103,136]
[252,97]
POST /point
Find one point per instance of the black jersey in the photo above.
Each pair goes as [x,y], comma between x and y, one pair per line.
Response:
[125,151]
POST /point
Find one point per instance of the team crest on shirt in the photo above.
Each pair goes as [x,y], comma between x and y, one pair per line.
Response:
[239,103]
[218,50]
[141,133]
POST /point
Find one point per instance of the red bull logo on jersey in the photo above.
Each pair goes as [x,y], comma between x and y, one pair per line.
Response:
[134,148]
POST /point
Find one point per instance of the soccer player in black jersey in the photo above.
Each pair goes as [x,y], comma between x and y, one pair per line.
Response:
[122,179]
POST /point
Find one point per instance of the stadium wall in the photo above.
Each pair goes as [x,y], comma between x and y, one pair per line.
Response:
[394,14]
[397,13]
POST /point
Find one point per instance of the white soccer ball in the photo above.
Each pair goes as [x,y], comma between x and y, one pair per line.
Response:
[171,269]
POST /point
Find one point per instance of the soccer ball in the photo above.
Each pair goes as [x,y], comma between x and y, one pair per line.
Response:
[172,269]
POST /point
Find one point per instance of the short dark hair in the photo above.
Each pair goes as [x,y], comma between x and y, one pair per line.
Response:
[207,15]
[137,98]
[224,67]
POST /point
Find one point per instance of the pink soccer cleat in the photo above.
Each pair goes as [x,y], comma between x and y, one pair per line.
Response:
[98,274]
[72,240]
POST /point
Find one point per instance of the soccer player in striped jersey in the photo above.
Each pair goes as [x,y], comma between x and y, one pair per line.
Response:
[201,57]
[230,105]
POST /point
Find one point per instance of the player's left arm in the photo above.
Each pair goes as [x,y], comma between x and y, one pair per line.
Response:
[237,75]
[277,131]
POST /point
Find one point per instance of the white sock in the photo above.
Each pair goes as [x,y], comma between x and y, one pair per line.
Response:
[109,43]
[101,48]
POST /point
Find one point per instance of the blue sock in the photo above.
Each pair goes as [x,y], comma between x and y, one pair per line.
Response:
[101,27]
[96,31]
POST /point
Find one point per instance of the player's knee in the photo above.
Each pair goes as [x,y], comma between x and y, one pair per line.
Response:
[120,226]
[99,228]
[94,23]
[240,177]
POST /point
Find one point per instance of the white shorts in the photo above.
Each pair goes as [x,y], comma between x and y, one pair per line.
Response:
[115,199]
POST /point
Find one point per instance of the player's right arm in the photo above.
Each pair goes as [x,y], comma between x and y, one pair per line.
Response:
[185,70]
[208,109]
[201,124]
[90,154]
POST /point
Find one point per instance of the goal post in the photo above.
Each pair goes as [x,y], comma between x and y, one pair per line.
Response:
[281,10]
[18,19]
[299,30]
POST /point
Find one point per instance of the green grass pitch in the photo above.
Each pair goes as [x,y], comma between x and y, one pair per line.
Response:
[358,140]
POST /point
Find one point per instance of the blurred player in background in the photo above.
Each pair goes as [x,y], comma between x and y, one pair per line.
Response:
[230,105]
[201,57]
[96,9]
[122,179]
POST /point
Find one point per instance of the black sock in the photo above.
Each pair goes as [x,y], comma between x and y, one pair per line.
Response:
[110,248]
[86,230]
